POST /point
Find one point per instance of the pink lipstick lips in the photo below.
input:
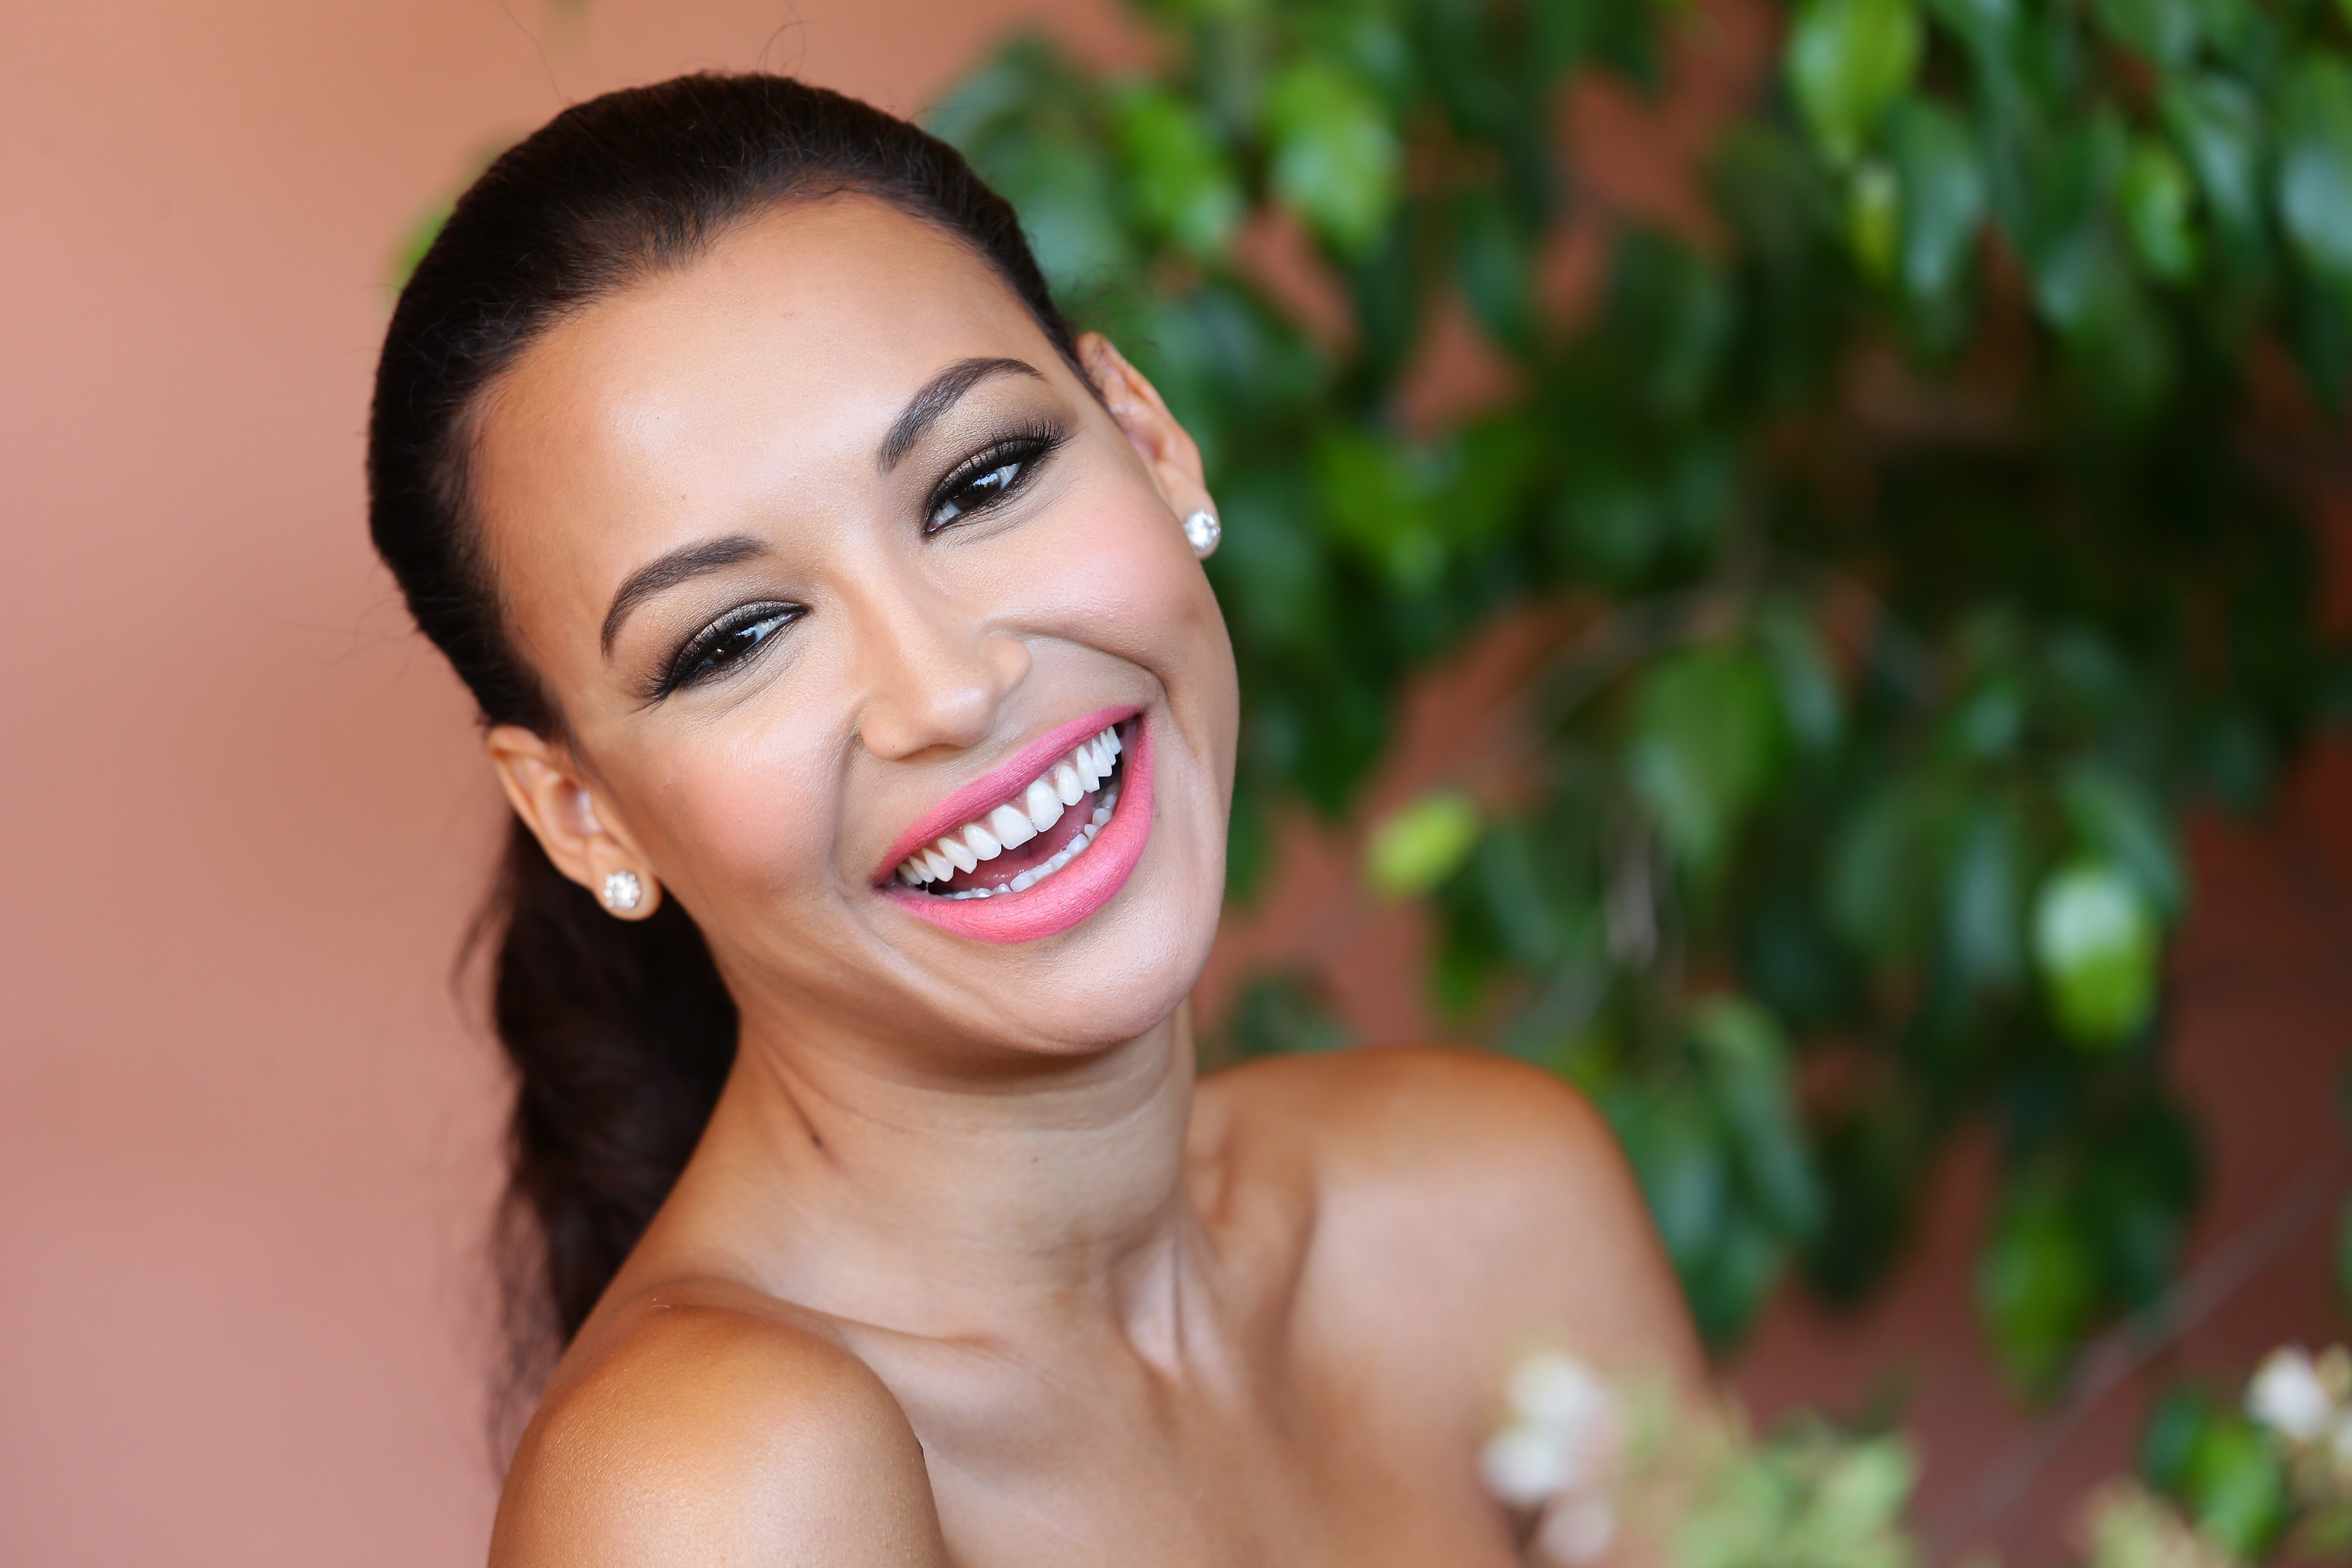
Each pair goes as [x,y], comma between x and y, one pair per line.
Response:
[1036,845]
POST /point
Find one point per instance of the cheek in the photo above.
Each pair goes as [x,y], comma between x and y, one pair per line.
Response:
[748,817]
[1119,577]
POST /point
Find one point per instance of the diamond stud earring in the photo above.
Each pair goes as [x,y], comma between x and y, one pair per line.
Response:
[624,892]
[1201,530]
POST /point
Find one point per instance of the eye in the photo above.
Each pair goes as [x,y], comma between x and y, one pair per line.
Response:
[977,492]
[727,644]
[988,478]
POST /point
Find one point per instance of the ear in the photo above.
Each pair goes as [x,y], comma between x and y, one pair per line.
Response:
[544,786]
[1166,449]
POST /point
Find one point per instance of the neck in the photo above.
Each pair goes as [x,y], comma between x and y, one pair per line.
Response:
[964,1200]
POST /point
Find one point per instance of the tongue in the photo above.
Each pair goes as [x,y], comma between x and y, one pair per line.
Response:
[1028,857]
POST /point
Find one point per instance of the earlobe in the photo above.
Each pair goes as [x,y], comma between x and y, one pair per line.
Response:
[543,785]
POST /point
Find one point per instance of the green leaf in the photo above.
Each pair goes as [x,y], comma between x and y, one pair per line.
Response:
[1730,1281]
[1987,26]
[2142,1179]
[2125,1526]
[1942,176]
[1872,1160]
[1233,373]
[2036,1288]
[1486,481]
[2343,1257]
[1886,865]
[427,226]
[1280,1012]
[1672,313]
[1029,122]
[1180,180]
[2171,1436]
[2314,180]
[1986,913]
[1064,191]
[1848,61]
[2234,1486]
[999,93]
[2156,195]
[1810,698]
[1874,220]
[1376,497]
[2164,30]
[2080,282]
[1746,1061]
[2114,818]
[1495,256]
[1611,524]
[1706,738]
[422,233]
[1528,914]
[1677,1151]
[1419,844]
[1337,160]
[2218,124]
[2095,941]
[1861,1495]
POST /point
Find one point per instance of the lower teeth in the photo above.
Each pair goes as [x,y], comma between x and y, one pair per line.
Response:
[1069,852]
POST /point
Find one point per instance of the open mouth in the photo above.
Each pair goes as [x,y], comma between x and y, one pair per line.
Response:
[1031,837]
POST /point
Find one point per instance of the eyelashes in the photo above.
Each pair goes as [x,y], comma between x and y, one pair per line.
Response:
[981,483]
[992,475]
[727,643]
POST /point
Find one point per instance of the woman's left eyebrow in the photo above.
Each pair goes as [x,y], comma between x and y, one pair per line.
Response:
[666,571]
[938,395]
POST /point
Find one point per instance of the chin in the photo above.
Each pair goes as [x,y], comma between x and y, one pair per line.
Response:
[1116,976]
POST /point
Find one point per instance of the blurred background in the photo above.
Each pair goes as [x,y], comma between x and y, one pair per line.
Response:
[1791,563]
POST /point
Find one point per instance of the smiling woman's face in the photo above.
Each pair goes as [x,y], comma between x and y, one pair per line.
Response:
[825,556]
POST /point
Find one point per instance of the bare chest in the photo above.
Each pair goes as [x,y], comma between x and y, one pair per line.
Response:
[1266,1473]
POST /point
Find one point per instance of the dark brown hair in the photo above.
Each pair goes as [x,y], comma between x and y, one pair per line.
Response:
[619,1034]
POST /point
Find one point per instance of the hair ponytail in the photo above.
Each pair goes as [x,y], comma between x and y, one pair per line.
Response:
[619,1034]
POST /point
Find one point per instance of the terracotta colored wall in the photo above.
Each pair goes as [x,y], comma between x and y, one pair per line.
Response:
[247,1137]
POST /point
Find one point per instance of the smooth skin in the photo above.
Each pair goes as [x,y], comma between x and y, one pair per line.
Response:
[968,1268]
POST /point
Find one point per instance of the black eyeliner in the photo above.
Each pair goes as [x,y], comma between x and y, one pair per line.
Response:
[684,666]
[1029,446]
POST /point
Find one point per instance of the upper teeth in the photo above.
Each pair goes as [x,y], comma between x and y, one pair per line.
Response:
[1036,808]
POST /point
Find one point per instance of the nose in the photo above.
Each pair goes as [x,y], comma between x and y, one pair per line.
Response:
[931,670]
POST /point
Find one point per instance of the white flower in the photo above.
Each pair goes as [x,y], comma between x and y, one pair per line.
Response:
[1561,1434]
[1577,1531]
[1560,1392]
[2287,1396]
[1522,1464]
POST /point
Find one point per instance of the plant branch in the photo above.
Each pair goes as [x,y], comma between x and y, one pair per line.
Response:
[2125,1350]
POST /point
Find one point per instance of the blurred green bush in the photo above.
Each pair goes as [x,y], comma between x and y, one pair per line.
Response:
[1919,540]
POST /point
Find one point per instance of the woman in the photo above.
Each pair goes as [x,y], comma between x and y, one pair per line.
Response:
[836,619]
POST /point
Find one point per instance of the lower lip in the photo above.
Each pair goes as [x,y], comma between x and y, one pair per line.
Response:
[1070,894]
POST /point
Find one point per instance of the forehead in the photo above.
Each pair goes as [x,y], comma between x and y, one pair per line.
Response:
[775,360]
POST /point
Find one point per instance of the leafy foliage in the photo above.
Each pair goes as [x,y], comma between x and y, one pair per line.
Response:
[1914,548]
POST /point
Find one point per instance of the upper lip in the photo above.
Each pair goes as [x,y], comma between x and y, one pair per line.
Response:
[999,783]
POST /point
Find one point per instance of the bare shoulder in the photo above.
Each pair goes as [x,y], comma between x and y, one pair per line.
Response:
[1473,1194]
[701,1429]
[1449,1125]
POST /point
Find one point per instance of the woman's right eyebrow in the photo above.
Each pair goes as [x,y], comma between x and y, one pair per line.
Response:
[666,571]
